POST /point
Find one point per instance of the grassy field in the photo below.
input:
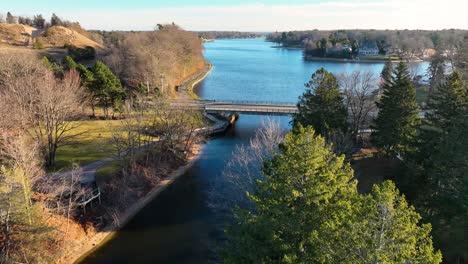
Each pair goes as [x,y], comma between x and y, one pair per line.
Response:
[93,143]
[107,171]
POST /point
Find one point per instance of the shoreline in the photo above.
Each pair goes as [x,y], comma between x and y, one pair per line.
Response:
[196,79]
[362,60]
[100,238]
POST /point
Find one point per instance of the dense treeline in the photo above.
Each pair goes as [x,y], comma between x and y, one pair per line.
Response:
[401,41]
[157,59]
[227,34]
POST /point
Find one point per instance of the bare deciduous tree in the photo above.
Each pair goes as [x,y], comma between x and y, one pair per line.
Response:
[245,167]
[157,58]
[39,104]
[20,229]
[175,128]
[360,91]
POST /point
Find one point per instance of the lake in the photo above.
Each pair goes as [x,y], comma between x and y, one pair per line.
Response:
[179,226]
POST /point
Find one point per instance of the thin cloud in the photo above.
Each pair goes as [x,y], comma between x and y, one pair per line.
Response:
[397,14]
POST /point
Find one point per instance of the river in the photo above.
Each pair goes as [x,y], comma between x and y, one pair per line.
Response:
[179,226]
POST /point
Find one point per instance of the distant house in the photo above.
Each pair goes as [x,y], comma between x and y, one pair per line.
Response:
[368,51]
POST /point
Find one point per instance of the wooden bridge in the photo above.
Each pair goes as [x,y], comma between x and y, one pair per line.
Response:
[245,107]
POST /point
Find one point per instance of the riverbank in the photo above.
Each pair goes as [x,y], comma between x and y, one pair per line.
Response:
[185,90]
[359,60]
[94,241]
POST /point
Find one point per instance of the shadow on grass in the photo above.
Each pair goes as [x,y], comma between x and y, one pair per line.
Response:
[373,169]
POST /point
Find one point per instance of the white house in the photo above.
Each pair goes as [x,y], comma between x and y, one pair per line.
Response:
[368,51]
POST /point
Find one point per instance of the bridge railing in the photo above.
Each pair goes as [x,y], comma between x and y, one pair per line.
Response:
[247,102]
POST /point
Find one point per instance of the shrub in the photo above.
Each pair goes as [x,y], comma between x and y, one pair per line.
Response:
[38,44]
[88,53]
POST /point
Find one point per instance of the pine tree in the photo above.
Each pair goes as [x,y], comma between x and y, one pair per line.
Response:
[39,21]
[440,166]
[308,210]
[321,106]
[55,20]
[106,87]
[436,73]
[387,72]
[10,19]
[395,126]
[302,184]
[388,230]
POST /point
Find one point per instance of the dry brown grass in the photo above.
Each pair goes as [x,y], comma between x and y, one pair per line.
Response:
[14,34]
[58,36]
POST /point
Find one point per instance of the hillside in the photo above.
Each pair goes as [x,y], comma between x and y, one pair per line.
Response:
[15,34]
[59,36]
[53,37]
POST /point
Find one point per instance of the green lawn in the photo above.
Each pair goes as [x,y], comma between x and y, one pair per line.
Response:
[106,172]
[93,144]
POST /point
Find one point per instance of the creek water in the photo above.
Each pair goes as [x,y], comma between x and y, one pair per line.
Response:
[179,226]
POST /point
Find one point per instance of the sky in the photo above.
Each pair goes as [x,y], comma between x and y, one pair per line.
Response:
[254,15]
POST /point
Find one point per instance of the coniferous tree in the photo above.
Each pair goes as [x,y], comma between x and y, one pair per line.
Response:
[302,184]
[395,126]
[87,78]
[436,73]
[439,169]
[55,20]
[387,72]
[10,19]
[308,210]
[322,105]
[39,21]
[106,88]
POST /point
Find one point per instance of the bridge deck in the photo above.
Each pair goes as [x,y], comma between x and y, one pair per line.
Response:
[238,107]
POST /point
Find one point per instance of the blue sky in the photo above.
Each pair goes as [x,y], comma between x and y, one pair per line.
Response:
[257,15]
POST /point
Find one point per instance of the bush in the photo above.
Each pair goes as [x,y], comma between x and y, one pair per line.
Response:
[38,44]
[88,53]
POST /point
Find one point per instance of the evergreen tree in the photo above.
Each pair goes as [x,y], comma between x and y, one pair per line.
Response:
[387,72]
[395,126]
[440,167]
[53,66]
[322,105]
[55,20]
[106,88]
[39,21]
[308,210]
[436,72]
[10,19]
[382,228]
[87,78]
[305,185]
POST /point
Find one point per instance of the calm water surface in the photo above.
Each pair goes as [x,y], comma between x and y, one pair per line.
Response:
[179,226]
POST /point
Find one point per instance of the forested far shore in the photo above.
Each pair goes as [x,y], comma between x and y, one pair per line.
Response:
[228,34]
[351,43]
